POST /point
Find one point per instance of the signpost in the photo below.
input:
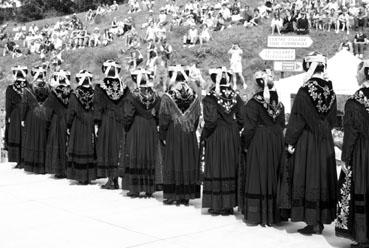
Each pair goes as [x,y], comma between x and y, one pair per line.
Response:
[288,66]
[289,41]
[278,54]
[279,50]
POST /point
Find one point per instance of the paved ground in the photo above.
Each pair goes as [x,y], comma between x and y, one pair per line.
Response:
[38,211]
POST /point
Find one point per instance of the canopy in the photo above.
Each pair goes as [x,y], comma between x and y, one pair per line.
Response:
[342,68]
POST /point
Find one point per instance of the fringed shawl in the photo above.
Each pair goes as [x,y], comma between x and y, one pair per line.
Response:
[187,119]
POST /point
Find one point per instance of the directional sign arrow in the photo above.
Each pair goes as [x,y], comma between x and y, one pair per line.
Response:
[289,41]
[288,66]
[278,54]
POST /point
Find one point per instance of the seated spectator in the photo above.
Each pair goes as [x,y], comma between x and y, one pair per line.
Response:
[8,47]
[95,38]
[246,15]
[288,23]
[332,19]
[360,20]
[277,23]
[255,19]
[161,32]
[226,13]
[302,24]
[220,23]
[166,51]
[346,45]
[236,13]
[162,17]
[192,37]
[114,26]
[134,7]
[136,58]
[114,6]
[360,41]
[343,21]
[107,37]
[204,34]
[150,32]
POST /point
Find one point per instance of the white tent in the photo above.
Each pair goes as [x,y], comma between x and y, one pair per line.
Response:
[342,69]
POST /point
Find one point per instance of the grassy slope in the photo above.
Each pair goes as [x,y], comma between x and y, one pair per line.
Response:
[252,41]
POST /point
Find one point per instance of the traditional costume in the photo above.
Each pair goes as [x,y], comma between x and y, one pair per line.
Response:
[35,123]
[312,166]
[223,122]
[141,113]
[13,116]
[353,204]
[80,123]
[263,137]
[108,103]
[57,106]
[179,117]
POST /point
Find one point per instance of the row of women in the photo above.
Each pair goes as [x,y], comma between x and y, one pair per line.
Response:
[271,171]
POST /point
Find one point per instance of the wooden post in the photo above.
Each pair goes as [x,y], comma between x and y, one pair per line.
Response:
[282,74]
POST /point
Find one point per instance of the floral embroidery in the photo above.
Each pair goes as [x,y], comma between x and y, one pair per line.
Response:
[343,206]
[226,102]
[322,96]
[18,87]
[148,99]
[361,98]
[113,88]
[62,92]
[273,109]
[85,96]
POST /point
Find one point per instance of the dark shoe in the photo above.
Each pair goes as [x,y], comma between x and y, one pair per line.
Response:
[148,195]
[59,176]
[168,202]
[360,245]
[185,202]
[133,195]
[18,166]
[109,184]
[226,211]
[116,183]
[310,229]
[213,211]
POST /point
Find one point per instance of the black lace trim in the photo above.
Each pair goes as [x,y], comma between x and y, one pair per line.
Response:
[273,109]
[85,96]
[41,93]
[321,93]
[113,88]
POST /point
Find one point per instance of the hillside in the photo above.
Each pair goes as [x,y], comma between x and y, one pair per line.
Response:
[252,41]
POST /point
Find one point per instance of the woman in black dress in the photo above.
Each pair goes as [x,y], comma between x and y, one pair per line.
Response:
[80,124]
[141,161]
[13,116]
[309,138]
[109,123]
[34,122]
[264,146]
[57,106]
[223,122]
[353,204]
[179,117]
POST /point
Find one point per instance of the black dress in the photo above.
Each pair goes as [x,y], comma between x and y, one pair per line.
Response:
[35,129]
[353,204]
[56,148]
[13,116]
[108,104]
[264,142]
[313,164]
[181,168]
[81,147]
[223,123]
[142,143]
